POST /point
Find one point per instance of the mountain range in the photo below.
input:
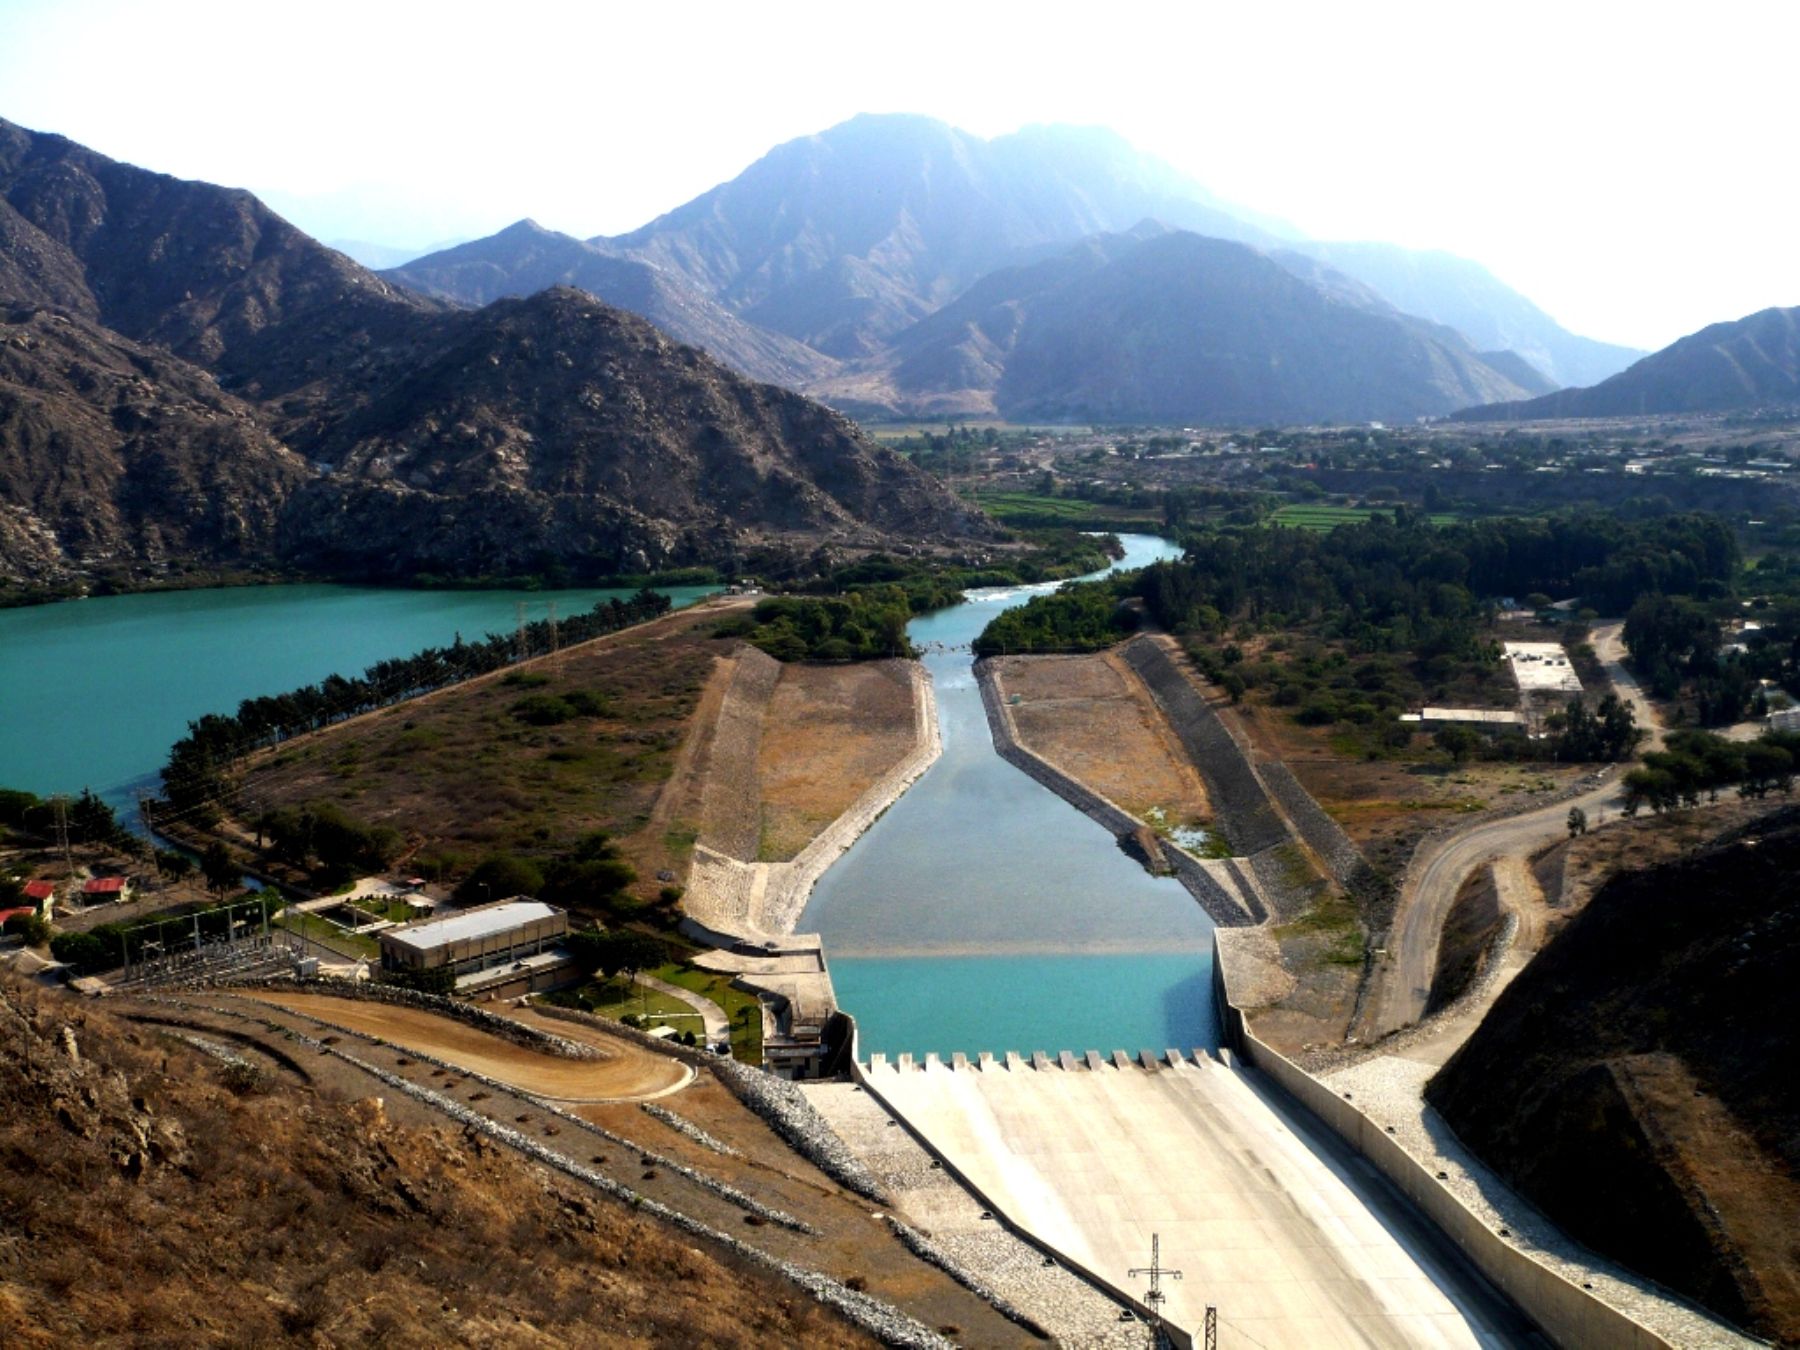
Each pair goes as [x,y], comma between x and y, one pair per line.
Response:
[851,244]
[1752,362]
[185,377]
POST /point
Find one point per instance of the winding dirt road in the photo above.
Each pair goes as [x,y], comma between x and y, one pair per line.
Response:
[1400,983]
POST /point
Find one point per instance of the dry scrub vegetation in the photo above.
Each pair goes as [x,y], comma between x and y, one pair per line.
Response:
[477,770]
[153,1195]
[829,733]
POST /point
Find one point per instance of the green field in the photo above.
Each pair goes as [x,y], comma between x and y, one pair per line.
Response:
[1027,510]
[1326,518]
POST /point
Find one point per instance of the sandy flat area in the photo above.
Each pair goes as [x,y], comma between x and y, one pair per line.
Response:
[1094,719]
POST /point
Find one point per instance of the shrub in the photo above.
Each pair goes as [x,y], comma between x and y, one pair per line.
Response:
[30,927]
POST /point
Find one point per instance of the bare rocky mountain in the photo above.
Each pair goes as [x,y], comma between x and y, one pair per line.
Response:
[113,450]
[556,427]
[845,238]
[178,362]
[823,265]
[1636,1080]
[1751,363]
[525,258]
[1168,326]
[1466,296]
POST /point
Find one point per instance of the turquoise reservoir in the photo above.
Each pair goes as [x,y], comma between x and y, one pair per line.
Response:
[982,912]
[94,692]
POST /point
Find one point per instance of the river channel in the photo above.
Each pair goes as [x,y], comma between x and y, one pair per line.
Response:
[94,692]
[982,912]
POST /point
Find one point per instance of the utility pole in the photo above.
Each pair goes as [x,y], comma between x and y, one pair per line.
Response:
[1156,1298]
[61,803]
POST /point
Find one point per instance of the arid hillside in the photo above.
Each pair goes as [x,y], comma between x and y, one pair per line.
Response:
[154,1193]
[1636,1079]
[158,333]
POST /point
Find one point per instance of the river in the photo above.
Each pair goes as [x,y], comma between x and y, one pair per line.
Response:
[982,912]
[94,692]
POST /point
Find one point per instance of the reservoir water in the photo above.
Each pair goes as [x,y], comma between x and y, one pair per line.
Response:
[94,692]
[982,912]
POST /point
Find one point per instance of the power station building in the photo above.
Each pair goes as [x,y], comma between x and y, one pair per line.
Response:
[505,947]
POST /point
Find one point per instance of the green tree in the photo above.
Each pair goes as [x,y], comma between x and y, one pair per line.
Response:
[219,868]
[1578,822]
[499,876]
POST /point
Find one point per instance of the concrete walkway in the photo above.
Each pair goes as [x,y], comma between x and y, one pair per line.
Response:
[717,1027]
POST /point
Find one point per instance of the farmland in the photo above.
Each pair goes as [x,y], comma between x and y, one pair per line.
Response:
[1326,518]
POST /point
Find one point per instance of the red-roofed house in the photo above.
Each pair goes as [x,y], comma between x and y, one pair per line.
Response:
[99,890]
[40,892]
[6,914]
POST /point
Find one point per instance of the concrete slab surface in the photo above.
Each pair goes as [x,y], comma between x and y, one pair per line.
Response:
[1295,1244]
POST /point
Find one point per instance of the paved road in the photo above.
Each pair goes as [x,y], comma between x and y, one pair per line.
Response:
[718,1029]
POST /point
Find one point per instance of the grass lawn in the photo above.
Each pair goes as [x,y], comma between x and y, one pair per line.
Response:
[746,1032]
[1327,518]
[327,934]
[618,996]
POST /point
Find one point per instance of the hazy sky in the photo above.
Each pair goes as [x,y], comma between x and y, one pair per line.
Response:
[1628,166]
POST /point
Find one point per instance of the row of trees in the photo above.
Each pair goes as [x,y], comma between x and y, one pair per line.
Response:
[194,777]
[1696,765]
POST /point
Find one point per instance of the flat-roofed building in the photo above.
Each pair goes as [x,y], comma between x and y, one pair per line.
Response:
[1492,719]
[483,947]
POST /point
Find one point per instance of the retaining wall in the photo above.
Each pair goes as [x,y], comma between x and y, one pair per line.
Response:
[790,884]
[1241,803]
[1565,1312]
[1342,858]
[1214,897]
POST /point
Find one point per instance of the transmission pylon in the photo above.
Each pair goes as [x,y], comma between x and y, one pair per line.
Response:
[1156,1270]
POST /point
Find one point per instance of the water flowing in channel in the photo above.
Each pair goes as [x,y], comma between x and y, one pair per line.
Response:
[983,912]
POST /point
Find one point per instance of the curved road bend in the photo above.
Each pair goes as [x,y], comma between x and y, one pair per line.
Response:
[1402,976]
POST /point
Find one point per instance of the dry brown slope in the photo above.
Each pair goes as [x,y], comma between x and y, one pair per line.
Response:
[1635,1081]
[144,1202]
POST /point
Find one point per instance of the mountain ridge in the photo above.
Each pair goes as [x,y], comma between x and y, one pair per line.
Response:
[1743,363]
[187,378]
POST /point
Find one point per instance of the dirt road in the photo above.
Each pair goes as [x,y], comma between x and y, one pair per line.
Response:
[1609,646]
[1402,976]
[627,1073]
[1401,980]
